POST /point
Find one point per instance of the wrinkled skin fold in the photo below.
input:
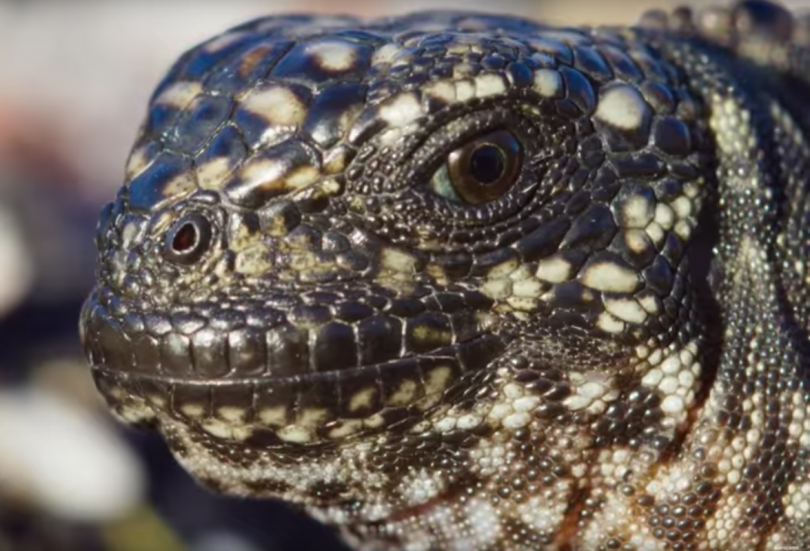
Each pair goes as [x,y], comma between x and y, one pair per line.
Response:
[452,281]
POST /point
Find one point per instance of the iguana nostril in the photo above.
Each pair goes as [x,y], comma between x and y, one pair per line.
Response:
[188,240]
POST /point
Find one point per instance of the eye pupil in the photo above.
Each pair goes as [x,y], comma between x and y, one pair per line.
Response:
[487,164]
[185,238]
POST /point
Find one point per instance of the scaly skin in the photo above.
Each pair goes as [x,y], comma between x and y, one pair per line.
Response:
[464,282]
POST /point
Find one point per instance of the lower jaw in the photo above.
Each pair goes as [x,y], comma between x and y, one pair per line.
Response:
[336,484]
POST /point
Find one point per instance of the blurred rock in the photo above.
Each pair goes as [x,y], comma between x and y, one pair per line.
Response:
[142,530]
[59,458]
[16,263]
[68,377]
[222,541]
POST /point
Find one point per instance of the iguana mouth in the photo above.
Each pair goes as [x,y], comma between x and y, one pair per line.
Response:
[204,361]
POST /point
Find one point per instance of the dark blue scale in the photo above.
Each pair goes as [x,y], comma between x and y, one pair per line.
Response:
[254,127]
[322,122]
[147,190]
[204,117]
[228,144]
[301,65]
[593,229]
[253,64]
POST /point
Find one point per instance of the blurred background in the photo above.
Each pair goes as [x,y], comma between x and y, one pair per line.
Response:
[74,81]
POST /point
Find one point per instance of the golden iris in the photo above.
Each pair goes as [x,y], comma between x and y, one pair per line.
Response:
[481,170]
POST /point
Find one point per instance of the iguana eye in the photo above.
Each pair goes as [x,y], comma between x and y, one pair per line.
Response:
[188,239]
[481,170]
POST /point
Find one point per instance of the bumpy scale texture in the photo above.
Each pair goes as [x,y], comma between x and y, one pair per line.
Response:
[454,281]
